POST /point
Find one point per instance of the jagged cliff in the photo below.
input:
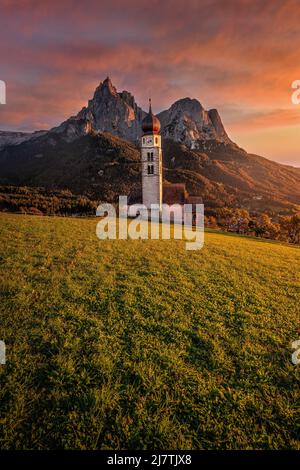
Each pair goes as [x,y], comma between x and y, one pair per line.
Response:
[186,121]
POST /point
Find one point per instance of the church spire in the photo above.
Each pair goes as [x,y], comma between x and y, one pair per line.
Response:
[150,123]
[151,154]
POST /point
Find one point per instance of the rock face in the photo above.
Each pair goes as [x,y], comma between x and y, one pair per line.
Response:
[218,125]
[108,111]
[114,112]
[186,121]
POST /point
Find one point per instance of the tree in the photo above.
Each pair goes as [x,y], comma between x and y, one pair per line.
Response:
[241,220]
[291,227]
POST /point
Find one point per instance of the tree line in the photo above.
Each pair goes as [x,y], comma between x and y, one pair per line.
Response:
[41,201]
[284,228]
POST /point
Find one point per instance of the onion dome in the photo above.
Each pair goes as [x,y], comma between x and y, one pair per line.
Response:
[150,123]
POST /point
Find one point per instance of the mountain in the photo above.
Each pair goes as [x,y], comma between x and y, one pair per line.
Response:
[99,165]
[186,121]
[96,153]
[15,138]
[108,111]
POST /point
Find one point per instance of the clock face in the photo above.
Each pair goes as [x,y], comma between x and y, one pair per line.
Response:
[148,141]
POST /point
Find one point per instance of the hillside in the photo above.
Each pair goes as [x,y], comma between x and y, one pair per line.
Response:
[103,167]
[224,174]
[100,166]
[104,353]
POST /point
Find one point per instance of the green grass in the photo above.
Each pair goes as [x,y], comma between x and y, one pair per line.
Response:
[144,345]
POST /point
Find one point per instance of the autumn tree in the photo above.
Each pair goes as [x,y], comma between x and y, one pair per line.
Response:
[291,227]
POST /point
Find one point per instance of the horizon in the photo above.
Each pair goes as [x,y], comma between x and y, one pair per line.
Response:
[234,61]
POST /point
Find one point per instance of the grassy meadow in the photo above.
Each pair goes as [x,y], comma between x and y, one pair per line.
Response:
[144,345]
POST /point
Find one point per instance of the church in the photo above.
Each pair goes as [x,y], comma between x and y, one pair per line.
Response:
[154,190]
[151,155]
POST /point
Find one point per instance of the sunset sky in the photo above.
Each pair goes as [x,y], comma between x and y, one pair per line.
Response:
[237,56]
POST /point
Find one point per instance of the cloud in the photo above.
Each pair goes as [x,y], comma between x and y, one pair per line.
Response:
[262,118]
[238,57]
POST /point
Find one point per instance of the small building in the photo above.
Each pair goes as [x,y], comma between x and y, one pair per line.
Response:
[174,193]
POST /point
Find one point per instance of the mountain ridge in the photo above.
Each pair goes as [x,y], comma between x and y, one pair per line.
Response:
[116,112]
[196,151]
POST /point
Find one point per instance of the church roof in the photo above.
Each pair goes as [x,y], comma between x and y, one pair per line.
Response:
[151,123]
[174,193]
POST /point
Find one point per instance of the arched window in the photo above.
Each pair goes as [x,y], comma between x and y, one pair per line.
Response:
[150,170]
[156,140]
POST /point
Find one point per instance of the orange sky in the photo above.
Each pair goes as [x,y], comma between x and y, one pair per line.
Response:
[238,56]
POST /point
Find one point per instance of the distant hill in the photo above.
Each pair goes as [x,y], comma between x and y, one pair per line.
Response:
[96,153]
[14,138]
[96,165]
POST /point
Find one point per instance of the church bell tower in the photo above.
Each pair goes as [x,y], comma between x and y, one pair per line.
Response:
[151,161]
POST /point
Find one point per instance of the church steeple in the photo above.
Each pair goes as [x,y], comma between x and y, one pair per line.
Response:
[151,161]
[151,124]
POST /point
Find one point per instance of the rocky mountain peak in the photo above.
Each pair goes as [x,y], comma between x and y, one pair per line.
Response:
[187,105]
[186,121]
[105,88]
[108,111]
[217,123]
